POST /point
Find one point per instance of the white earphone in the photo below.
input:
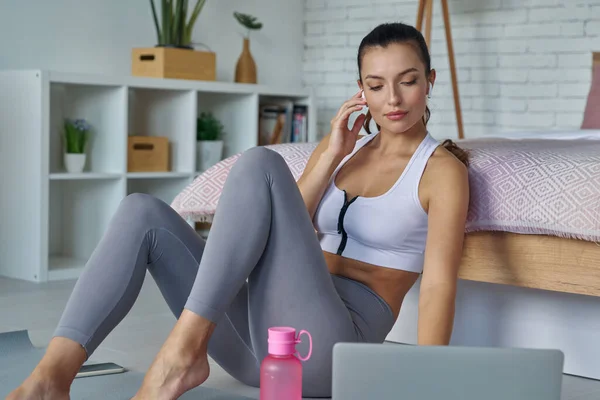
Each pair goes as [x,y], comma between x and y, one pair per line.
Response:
[362,94]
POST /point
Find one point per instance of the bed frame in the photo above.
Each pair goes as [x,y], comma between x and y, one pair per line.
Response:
[532,261]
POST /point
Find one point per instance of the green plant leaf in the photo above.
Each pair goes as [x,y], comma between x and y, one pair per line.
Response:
[182,35]
[197,9]
[187,36]
[178,23]
[190,24]
[172,35]
[208,127]
[158,33]
[171,22]
[247,21]
[75,139]
[166,24]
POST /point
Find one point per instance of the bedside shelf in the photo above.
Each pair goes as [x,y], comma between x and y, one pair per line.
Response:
[157,175]
[53,220]
[58,176]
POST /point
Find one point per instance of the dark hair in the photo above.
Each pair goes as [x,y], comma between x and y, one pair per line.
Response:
[397,32]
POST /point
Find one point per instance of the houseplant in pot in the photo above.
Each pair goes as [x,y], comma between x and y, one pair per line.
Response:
[245,69]
[209,136]
[174,55]
[76,137]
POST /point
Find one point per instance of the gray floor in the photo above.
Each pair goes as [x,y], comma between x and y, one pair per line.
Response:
[37,308]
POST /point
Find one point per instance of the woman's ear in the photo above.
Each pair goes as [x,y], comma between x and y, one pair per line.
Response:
[431,80]
[360,87]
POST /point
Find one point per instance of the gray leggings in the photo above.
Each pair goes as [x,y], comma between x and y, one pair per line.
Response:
[261,266]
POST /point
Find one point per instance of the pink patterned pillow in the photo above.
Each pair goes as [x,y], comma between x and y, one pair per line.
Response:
[198,201]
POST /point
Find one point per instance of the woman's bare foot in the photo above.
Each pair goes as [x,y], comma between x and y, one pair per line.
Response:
[168,379]
[37,387]
[182,362]
[52,377]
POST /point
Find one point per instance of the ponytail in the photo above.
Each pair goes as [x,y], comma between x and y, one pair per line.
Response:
[367,122]
[461,154]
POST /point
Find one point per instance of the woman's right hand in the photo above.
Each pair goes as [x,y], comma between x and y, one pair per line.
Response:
[342,139]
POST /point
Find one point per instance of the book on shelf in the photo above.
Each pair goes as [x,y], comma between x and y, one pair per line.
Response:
[282,122]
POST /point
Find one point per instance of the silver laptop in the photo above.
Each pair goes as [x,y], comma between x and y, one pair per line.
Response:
[393,371]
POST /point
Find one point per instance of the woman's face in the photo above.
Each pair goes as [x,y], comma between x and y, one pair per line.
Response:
[395,86]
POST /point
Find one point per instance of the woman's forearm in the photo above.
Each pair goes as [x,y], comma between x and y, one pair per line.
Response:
[436,316]
[314,184]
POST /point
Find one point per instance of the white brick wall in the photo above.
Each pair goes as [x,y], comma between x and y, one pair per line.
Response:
[522,64]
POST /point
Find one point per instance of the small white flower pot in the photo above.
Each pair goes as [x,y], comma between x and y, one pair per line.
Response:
[208,153]
[74,163]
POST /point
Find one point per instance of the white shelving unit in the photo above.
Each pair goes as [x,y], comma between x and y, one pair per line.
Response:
[51,220]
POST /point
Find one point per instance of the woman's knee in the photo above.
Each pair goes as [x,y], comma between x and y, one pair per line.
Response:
[141,206]
[260,159]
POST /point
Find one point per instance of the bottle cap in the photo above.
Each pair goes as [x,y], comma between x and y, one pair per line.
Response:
[282,341]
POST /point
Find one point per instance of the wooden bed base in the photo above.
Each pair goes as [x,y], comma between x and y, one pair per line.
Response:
[533,261]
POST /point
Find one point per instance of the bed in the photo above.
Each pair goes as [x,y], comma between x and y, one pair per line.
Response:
[534,216]
[544,231]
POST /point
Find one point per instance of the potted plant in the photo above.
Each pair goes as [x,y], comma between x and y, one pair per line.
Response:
[245,69]
[76,137]
[174,55]
[209,136]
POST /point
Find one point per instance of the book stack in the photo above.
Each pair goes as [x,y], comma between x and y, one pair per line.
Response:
[282,122]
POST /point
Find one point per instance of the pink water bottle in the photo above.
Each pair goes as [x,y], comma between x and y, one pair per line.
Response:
[281,370]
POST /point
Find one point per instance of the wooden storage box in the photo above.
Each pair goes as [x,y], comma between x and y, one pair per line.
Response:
[148,154]
[169,62]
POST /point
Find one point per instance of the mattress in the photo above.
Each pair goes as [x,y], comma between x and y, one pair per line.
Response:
[521,182]
[535,186]
[576,134]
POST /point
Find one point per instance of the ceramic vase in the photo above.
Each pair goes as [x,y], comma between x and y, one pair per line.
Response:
[74,163]
[208,153]
[245,69]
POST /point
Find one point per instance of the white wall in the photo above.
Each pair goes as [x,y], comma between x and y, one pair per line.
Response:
[522,64]
[97,36]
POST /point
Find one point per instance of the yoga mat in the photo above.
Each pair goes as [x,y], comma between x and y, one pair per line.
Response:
[18,357]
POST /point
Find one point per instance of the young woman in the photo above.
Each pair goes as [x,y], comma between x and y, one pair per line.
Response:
[386,208]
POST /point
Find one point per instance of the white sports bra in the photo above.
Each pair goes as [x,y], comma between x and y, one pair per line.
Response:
[389,230]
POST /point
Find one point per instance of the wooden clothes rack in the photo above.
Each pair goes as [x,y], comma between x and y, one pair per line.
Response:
[427,6]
